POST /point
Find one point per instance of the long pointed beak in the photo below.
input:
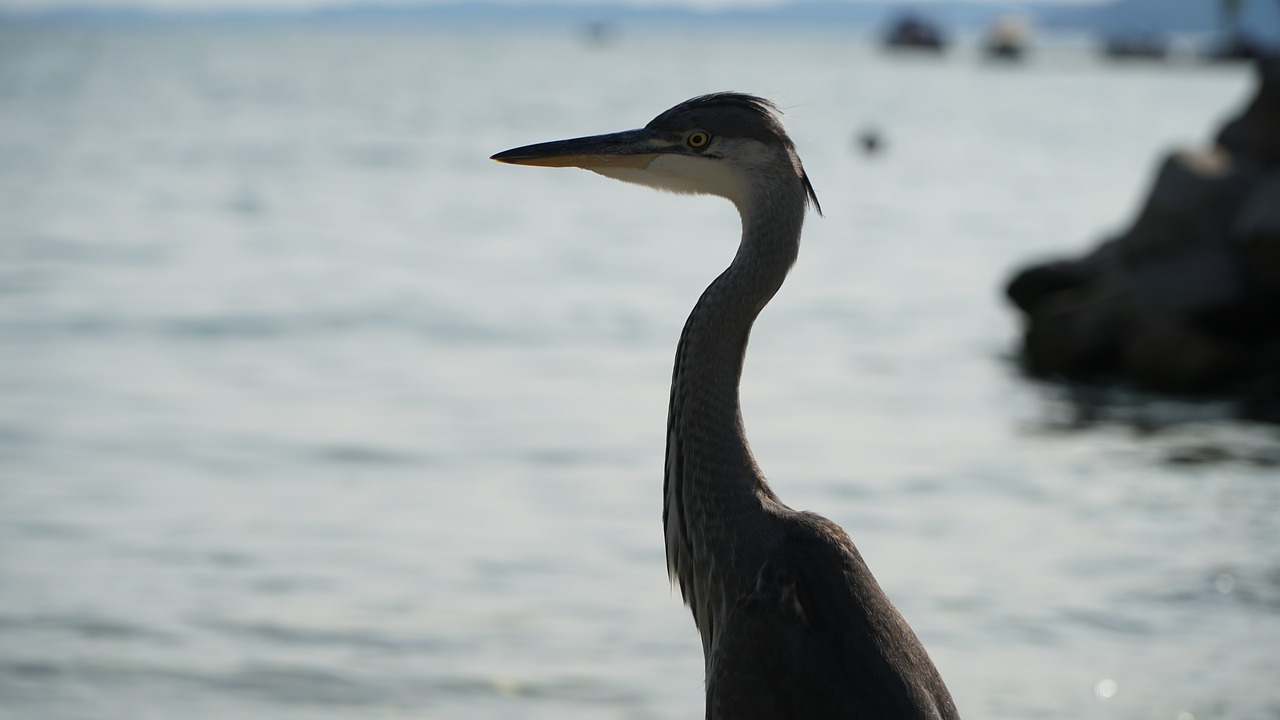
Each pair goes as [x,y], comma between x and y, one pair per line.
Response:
[632,148]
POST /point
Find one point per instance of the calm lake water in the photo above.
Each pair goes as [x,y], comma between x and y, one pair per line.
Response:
[308,410]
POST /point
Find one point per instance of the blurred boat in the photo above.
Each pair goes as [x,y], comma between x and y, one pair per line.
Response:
[1136,46]
[914,32]
[1008,38]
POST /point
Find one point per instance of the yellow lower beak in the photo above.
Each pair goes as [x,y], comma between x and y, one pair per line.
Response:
[587,161]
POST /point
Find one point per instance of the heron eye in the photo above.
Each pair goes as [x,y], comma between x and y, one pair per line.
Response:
[698,139]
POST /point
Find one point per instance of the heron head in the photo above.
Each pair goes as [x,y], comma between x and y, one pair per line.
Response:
[726,144]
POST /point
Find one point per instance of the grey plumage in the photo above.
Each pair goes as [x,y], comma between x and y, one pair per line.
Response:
[793,624]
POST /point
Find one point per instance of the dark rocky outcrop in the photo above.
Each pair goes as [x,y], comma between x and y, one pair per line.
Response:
[1188,298]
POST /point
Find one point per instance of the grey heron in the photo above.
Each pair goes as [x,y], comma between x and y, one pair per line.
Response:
[793,624]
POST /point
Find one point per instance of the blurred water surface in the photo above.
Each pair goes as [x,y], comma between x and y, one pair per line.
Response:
[307,409]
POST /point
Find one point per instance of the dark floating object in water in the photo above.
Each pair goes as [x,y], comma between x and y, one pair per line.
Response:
[913,32]
[870,141]
[1187,300]
[600,34]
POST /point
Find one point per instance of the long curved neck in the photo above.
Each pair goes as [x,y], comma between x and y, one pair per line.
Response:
[713,490]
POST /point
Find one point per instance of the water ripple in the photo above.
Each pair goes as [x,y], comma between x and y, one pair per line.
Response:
[328,636]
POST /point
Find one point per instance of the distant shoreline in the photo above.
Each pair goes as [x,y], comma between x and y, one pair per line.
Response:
[1146,16]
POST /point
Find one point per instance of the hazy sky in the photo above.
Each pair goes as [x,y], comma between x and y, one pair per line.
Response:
[238,4]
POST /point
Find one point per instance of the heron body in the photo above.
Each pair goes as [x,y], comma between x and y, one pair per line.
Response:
[793,624]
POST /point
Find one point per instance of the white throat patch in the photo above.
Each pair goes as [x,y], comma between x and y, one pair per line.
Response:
[683,174]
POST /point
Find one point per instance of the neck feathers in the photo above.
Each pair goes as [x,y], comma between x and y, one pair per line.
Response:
[713,487]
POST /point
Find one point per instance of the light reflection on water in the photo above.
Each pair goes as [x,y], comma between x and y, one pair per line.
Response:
[311,411]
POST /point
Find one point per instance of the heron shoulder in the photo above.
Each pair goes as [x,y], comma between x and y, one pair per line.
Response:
[829,629]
